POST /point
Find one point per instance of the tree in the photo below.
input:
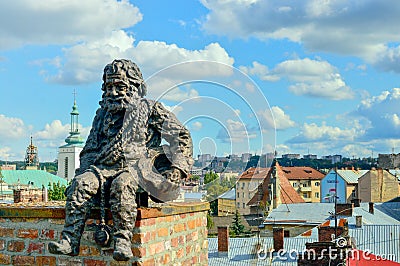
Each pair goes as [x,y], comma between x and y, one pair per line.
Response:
[56,191]
[194,178]
[237,228]
[209,177]
[210,222]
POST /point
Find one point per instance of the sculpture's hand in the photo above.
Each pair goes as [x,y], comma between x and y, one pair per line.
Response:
[173,175]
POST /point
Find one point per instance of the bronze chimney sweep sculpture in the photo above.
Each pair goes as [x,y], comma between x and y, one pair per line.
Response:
[123,154]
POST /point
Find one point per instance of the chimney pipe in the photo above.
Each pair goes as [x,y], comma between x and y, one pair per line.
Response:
[356,202]
[278,235]
[358,221]
[223,240]
[371,208]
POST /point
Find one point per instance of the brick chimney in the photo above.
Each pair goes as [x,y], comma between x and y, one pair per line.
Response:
[278,235]
[371,207]
[223,240]
[344,209]
[325,233]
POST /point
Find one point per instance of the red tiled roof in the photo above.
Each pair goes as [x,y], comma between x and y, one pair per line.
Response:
[287,195]
[302,172]
[256,173]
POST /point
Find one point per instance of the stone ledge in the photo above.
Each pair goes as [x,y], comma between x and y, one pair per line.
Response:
[56,210]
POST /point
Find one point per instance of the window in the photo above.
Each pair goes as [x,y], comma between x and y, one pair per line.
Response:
[238,204]
[66,168]
[353,194]
[316,184]
[304,184]
[244,206]
[243,185]
[317,194]
[295,184]
[243,194]
[238,195]
[305,195]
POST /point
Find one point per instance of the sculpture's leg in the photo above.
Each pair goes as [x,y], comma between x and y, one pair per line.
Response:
[123,208]
[77,208]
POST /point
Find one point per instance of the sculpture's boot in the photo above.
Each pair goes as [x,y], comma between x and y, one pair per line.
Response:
[123,209]
[77,209]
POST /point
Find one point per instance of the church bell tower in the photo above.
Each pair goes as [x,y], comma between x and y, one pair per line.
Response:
[68,154]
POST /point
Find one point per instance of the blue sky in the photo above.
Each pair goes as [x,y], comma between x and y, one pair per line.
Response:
[326,71]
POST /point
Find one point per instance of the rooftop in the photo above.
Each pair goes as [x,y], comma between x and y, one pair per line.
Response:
[37,178]
[256,173]
[243,251]
[317,213]
[301,172]
[287,193]
[230,194]
[351,176]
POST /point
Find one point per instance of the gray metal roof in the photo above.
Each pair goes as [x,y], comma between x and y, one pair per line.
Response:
[230,194]
[243,251]
[391,209]
[395,172]
[378,218]
[351,176]
[314,213]
[317,213]
[381,240]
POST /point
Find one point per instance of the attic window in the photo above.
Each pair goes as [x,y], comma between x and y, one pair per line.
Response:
[286,171]
[308,171]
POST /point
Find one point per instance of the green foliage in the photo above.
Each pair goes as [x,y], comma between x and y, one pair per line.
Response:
[194,178]
[209,177]
[237,228]
[216,189]
[210,222]
[56,191]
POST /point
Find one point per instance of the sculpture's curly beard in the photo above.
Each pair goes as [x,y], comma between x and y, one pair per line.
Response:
[116,105]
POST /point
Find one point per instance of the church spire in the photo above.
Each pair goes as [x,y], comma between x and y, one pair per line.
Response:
[74,134]
[31,157]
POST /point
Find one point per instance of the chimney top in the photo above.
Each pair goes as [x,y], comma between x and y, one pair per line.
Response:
[371,208]
[278,235]
[223,240]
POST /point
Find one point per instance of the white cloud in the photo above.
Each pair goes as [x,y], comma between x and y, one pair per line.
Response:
[84,62]
[309,77]
[382,115]
[313,132]
[276,118]
[54,130]
[67,22]
[93,33]
[176,109]
[178,95]
[5,153]
[13,128]
[235,132]
[343,27]
[196,126]
[55,133]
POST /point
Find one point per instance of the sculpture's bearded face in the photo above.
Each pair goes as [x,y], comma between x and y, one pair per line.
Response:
[117,96]
[123,85]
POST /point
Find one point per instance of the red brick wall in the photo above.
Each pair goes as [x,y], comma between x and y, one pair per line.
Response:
[164,236]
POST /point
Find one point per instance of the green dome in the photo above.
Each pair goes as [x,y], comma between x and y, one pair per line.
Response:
[75,110]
